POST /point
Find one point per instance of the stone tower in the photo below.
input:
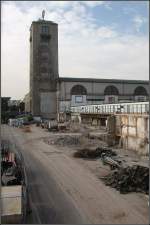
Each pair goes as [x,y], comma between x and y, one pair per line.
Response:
[43,68]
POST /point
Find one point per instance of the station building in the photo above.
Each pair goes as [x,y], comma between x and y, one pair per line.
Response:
[50,94]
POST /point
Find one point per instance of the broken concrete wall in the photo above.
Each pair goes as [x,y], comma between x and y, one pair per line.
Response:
[96,120]
[134,132]
[76,117]
[111,129]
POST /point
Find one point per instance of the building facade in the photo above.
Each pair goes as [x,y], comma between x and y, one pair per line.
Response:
[26,101]
[51,94]
[82,91]
[14,102]
[43,68]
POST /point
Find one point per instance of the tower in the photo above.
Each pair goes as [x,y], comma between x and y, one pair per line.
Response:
[43,68]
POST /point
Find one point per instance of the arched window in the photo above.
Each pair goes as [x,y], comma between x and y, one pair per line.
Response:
[111,90]
[78,90]
[140,91]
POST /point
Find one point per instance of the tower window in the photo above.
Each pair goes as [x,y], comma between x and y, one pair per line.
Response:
[45,38]
[44,69]
[45,29]
[43,49]
[44,59]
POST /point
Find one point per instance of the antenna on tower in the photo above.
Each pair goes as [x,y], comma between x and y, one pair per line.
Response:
[43,14]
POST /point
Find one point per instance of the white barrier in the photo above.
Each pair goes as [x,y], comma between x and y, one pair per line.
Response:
[136,107]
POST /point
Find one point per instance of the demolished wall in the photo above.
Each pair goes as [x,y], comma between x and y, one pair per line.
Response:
[134,132]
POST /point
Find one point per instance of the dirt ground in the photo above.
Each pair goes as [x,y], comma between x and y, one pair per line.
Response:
[96,167]
[79,179]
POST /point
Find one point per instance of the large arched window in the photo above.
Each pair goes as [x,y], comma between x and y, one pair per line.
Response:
[111,90]
[78,90]
[140,91]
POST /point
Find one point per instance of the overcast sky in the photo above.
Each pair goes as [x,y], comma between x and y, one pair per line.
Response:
[97,39]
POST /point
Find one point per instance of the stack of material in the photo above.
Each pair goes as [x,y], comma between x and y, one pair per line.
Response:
[88,153]
[129,179]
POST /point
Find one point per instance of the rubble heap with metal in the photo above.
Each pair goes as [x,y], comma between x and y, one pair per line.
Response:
[97,153]
[129,179]
[11,171]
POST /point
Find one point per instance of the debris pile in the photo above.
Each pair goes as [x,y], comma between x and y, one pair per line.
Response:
[77,128]
[130,179]
[68,140]
[114,164]
[64,141]
[89,153]
[62,127]
[11,172]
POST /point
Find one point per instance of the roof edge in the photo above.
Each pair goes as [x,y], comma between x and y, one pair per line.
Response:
[102,80]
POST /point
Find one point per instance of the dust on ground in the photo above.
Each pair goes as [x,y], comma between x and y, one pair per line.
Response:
[90,139]
[84,137]
[88,171]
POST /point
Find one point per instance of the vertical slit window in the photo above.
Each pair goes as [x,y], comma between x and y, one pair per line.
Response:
[45,30]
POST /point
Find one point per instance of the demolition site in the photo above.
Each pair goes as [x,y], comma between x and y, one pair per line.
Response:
[79,152]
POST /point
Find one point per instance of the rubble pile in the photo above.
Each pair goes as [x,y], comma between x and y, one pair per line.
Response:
[11,172]
[64,141]
[78,128]
[88,153]
[67,140]
[130,179]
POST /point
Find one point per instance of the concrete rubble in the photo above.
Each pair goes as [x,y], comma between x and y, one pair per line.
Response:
[113,163]
[129,179]
[97,153]
[64,140]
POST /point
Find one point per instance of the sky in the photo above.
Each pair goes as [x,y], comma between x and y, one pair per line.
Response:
[97,39]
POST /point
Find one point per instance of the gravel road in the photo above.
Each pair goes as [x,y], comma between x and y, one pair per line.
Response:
[63,191]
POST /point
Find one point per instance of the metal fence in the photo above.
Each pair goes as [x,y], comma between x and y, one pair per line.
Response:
[136,107]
